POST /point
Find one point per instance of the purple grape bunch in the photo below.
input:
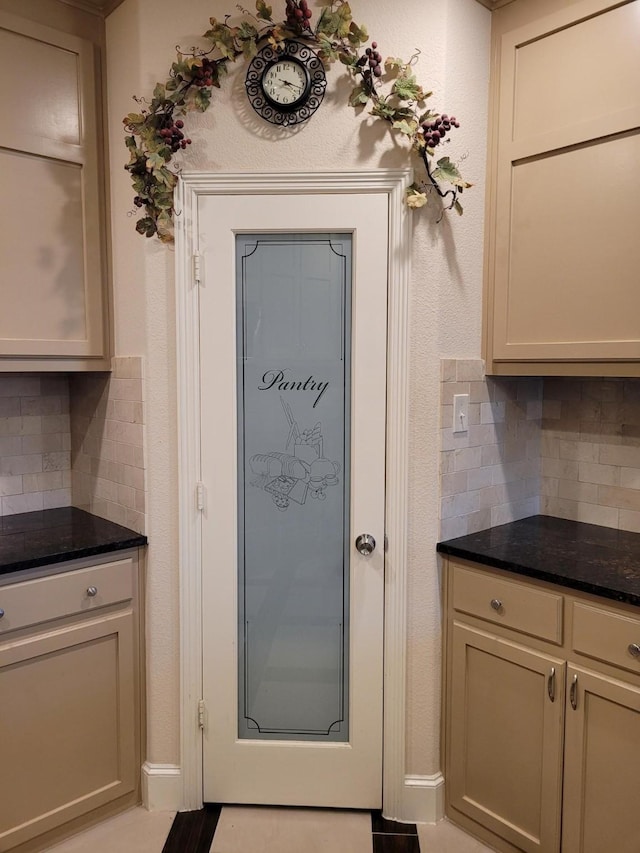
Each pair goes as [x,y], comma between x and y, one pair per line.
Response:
[373,60]
[298,14]
[436,129]
[203,75]
[173,135]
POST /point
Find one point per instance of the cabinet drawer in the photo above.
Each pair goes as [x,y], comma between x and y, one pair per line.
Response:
[31,602]
[610,637]
[514,605]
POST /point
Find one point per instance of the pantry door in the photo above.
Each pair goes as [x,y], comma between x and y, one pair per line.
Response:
[293,331]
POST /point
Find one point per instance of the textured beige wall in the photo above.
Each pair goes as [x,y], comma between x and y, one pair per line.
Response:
[453,37]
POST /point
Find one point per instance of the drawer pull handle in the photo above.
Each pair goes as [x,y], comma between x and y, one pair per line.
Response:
[496,604]
[1,612]
[551,684]
[634,650]
[92,591]
[573,693]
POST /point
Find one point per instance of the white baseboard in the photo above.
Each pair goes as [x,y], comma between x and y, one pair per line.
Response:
[162,787]
[422,799]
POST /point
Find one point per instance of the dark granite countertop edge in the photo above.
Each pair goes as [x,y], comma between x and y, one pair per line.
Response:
[65,556]
[538,574]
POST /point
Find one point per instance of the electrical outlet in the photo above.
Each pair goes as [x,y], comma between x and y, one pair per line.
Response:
[460,412]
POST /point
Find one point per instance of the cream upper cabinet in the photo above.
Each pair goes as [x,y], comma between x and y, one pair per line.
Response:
[52,252]
[563,253]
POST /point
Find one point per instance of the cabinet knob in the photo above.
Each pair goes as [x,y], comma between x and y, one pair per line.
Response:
[496,604]
[92,591]
[1,612]
[634,650]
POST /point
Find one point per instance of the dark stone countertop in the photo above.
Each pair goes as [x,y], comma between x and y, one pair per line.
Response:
[32,539]
[599,560]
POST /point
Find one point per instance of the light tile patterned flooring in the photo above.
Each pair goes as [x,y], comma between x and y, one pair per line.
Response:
[255,830]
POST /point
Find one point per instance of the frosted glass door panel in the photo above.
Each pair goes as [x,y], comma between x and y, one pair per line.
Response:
[293,315]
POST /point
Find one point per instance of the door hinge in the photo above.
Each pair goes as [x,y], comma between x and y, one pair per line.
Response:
[197,268]
[201,496]
[201,710]
[386,541]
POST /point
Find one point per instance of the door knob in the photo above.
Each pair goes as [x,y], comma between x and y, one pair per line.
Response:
[365,544]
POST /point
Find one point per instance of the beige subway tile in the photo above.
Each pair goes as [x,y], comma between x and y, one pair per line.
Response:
[124,453]
[630,478]
[478,392]
[447,461]
[135,520]
[474,413]
[595,514]
[463,504]
[581,451]
[619,497]
[593,472]
[9,407]
[116,513]
[133,434]
[42,443]
[479,478]
[573,490]
[563,469]
[549,487]
[115,472]
[57,498]
[10,445]
[551,409]
[448,390]
[514,449]
[453,484]
[468,457]
[446,416]
[105,489]
[450,440]
[469,370]
[56,461]
[448,370]
[11,485]
[42,406]
[490,454]
[126,389]
[43,482]
[631,390]
[480,520]
[486,434]
[618,454]
[534,410]
[140,500]
[127,496]
[15,465]
[629,520]
[492,413]
[66,479]
[451,528]
[55,423]
[549,446]
[560,507]
[533,449]
[19,386]
[138,457]
[501,389]
[14,504]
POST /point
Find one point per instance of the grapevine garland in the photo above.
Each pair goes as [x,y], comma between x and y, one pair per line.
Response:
[156,133]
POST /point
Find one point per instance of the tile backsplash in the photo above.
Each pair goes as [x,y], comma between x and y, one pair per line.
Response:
[559,446]
[35,442]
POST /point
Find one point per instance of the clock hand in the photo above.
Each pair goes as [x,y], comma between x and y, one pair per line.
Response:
[289,83]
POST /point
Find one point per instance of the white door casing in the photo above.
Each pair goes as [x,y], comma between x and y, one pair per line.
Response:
[191,188]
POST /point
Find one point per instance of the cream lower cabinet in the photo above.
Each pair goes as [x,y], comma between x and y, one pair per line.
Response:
[69,712]
[542,715]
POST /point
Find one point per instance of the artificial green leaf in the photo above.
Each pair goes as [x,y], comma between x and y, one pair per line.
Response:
[358,97]
[415,198]
[406,87]
[448,171]
[265,12]
[458,207]
[383,110]
[222,37]
[407,127]
[249,50]
[146,226]
[357,35]
[246,30]
[159,92]
[347,58]
[392,62]
[154,161]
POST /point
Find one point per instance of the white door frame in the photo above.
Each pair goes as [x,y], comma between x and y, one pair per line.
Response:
[399,800]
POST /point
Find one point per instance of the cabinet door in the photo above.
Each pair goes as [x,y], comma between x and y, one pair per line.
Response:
[567,200]
[505,738]
[602,765]
[67,723]
[50,242]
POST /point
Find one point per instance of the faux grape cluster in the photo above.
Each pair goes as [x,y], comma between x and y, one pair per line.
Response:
[298,13]
[436,129]
[173,135]
[373,60]
[203,75]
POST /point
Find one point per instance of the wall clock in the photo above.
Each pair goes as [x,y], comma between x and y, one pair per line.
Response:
[286,87]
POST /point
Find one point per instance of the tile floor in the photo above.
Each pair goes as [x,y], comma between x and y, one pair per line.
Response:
[244,829]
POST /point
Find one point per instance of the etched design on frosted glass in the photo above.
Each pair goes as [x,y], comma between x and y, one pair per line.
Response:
[301,470]
[293,316]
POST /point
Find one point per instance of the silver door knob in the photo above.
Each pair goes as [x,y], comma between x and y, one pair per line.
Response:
[365,544]
[92,591]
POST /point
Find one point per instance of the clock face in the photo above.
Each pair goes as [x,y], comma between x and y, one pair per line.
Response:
[286,86]
[285,83]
